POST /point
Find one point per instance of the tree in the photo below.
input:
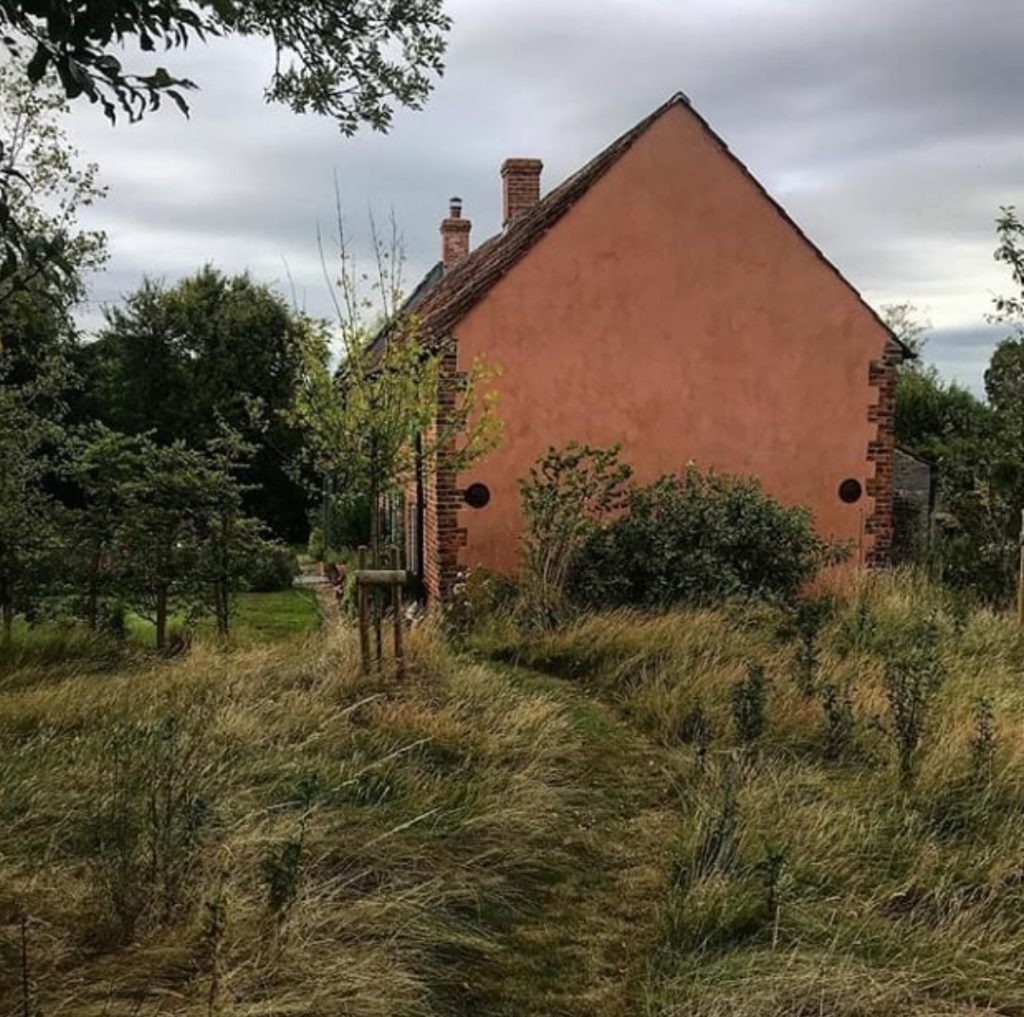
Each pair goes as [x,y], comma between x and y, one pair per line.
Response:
[183,538]
[45,186]
[933,415]
[978,447]
[101,464]
[213,350]
[28,439]
[395,399]
[352,60]
[905,323]
[568,496]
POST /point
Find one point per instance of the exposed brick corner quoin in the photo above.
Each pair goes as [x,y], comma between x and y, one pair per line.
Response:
[881,448]
[448,538]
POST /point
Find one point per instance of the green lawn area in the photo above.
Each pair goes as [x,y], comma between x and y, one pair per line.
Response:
[258,618]
[272,617]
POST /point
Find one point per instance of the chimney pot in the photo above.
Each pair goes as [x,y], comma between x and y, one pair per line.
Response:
[454,234]
[520,186]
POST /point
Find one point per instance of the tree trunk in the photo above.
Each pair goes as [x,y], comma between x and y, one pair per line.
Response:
[161,618]
[93,606]
[8,630]
[6,609]
[220,606]
[224,608]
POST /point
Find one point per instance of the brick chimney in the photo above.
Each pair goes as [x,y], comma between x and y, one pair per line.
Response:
[454,234]
[520,186]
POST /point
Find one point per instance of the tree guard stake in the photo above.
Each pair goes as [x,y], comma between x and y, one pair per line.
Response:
[368,583]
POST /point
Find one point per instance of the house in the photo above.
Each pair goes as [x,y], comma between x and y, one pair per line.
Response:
[661,299]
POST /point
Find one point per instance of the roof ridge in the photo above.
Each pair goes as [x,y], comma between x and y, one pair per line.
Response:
[463,285]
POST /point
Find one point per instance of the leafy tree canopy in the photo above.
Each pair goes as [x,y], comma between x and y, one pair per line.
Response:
[348,59]
[47,187]
[352,60]
[180,362]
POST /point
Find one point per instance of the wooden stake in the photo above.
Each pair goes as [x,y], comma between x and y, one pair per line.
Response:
[364,621]
[396,607]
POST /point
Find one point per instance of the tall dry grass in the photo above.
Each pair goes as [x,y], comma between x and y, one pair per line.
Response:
[270,832]
[860,849]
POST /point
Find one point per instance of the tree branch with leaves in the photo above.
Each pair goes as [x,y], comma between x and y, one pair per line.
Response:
[395,400]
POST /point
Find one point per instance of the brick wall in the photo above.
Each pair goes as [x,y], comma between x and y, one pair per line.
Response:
[443,537]
[879,525]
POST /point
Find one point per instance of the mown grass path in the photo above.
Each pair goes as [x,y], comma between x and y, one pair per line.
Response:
[586,949]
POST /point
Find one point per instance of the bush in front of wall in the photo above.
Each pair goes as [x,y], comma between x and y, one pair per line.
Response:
[696,539]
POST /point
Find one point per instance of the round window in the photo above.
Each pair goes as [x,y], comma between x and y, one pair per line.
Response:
[850,491]
[477,495]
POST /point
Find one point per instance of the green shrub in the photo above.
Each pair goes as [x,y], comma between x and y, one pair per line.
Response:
[696,539]
[748,704]
[570,493]
[145,835]
[837,704]
[480,596]
[913,675]
[272,568]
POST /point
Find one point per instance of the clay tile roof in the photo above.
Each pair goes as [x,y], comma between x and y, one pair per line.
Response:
[443,298]
[466,282]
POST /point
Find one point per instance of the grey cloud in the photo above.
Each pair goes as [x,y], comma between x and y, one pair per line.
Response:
[890,132]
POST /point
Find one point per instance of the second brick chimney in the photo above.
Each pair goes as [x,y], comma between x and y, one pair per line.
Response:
[520,186]
[454,234]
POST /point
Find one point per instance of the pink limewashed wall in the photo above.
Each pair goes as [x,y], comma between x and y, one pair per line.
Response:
[674,310]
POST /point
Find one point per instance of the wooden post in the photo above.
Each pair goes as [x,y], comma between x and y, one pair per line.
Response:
[1020,575]
[396,607]
[364,621]
[383,585]
[378,613]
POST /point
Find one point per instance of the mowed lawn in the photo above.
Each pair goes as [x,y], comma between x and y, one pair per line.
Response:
[256,618]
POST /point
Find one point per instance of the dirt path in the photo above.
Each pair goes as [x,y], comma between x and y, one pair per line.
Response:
[585,952]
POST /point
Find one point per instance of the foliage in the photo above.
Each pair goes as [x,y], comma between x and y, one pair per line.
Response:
[913,676]
[273,568]
[810,616]
[29,437]
[184,542]
[161,529]
[934,417]
[479,596]
[146,833]
[349,61]
[394,401]
[748,704]
[699,538]
[181,362]
[569,494]
[977,447]
[840,722]
[983,741]
[905,323]
[45,189]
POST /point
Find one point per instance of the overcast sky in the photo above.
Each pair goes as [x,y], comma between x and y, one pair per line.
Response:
[891,131]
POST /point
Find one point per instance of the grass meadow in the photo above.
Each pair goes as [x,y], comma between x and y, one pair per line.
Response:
[743,811]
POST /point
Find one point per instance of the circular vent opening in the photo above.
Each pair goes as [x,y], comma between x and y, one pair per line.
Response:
[850,491]
[477,495]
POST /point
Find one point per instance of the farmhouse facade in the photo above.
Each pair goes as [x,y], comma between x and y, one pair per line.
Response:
[659,298]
